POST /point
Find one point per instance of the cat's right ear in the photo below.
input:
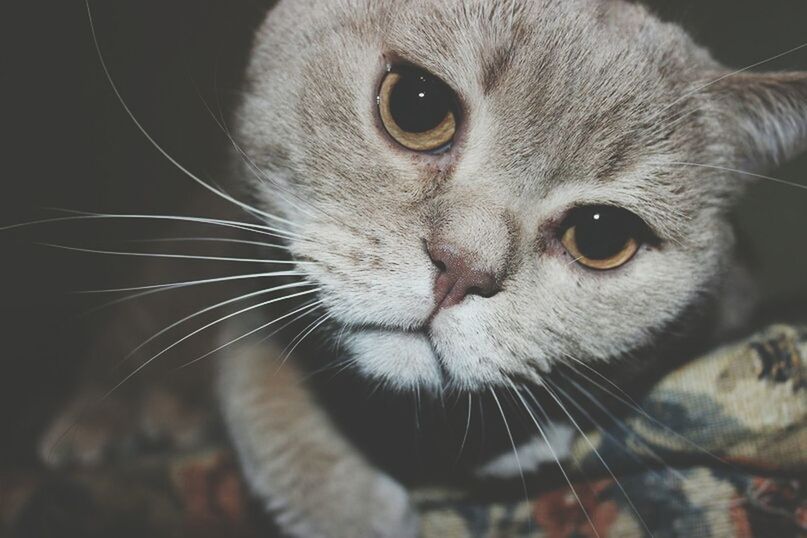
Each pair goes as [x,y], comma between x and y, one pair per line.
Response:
[764,115]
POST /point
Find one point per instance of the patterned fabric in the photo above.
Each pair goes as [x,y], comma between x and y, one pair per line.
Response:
[717,449]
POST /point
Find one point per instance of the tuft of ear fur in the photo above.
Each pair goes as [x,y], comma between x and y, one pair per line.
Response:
[766,114]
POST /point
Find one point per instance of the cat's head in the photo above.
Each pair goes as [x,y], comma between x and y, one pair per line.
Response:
[488,188]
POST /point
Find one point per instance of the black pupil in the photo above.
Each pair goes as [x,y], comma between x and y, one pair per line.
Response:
[419,102]
[602,232]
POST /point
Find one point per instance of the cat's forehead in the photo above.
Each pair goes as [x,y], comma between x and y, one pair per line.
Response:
[552,89]
[581,82]
[481,41]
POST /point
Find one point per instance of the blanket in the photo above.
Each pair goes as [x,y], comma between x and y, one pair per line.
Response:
[717,448]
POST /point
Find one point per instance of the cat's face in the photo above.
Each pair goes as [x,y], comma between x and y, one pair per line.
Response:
[528,151]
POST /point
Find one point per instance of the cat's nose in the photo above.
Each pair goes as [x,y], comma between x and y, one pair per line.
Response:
[458,276]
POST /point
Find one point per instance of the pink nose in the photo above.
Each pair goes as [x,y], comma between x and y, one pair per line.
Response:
[457,277]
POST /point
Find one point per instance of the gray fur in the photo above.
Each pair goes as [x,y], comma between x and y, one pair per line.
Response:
[565,103]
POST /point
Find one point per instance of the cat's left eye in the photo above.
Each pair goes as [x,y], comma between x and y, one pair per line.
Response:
[418,110]
[603,237]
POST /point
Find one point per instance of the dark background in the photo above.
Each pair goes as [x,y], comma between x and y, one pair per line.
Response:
[69,144]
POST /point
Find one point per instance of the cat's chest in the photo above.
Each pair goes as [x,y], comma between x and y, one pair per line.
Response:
[425,438]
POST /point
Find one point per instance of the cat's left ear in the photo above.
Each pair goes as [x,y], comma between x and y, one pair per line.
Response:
[765,114]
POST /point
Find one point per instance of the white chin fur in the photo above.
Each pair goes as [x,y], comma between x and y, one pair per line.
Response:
[455,354]
[402,360]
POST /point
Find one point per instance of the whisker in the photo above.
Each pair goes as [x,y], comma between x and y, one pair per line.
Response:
[188,283]
[557,400]
[417,408]
[252,165]
[175,256]
[637,408]
[513,444]
[467,427]
[340,336]
[208,309]
[299,339]
[742,172]
[315,303]
[310,307]
[155,144]
[85,215]
[620,424]
[106,395]
[552,451]
[702,87]
[601,376]
[161,289]
[203,328]
[209,239]
[339,368]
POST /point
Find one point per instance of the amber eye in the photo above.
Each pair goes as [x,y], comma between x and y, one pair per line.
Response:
[418,110]
[603,237]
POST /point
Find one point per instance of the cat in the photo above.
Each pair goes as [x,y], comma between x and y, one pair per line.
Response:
[474,194]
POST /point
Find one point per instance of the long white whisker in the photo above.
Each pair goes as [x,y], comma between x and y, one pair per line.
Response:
[156,145]
[338,368]
[601,376]
[254,168]
[552,451]
[340,336]
[639,409]
[257,227]
[513,444]
[210,308]
[86,215]
[623,426]
[175,285]
[299,339]
[209,239]
[205,327]
[557,400]
[104,397]
[652,453]
[162,289]
[702,87]
[176,256]
[308,308]
[313,304]
[741,172]
[467,426]
[417,408]
[301,312]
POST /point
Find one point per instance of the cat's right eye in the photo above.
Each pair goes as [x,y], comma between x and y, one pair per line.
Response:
[418,110]
[603,237]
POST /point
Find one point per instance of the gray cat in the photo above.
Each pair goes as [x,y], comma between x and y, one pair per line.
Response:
[479,192]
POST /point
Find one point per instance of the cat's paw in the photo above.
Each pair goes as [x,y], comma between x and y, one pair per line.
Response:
[83,433]
[91,430]
[377,507]
[393,515]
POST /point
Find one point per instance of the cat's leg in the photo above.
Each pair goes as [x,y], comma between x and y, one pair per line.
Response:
[309,477]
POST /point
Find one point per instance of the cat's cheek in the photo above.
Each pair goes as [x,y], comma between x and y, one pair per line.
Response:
[365,296]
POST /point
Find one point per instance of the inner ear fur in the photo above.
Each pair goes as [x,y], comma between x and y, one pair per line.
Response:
[764,115]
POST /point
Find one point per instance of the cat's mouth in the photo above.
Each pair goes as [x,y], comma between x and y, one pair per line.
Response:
[421,329]
[405,357]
